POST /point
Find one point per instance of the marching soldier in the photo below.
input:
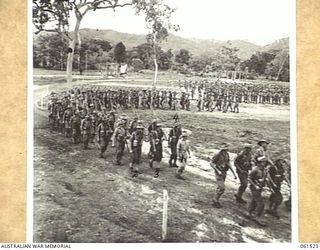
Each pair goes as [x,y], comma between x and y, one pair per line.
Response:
[262,151]
[112,119]
[276,175]
[133,124]
[183,151]
[85,131]
[220,162]
[156,138]
[67,121]
[136,141]
[173,139]
[243,164]
[152,127]
[76,127]
[257,180]
[119,139]
[104,135]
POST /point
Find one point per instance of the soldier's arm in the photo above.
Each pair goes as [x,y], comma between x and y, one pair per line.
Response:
[231,169]
[251,177]
[178,149]
[188,148]
[213,165]
[153,142]
[130,143]
[113,137]
[81,126]
[237,162]
[98,132]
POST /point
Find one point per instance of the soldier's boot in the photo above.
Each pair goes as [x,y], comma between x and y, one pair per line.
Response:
[179,175]
[216,204]
[132,171]
[170,162]
[216,200]
[151,163]
[240,199]
[156,173]
[260,222]
[175,162]
[101,155]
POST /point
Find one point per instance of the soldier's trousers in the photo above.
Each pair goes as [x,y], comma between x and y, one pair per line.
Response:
[243,177]
[104,143]
[182,165]
[256,203]
[119,151]
[275,199]
[136,154]
[85,140]
[174,155]
[220,179]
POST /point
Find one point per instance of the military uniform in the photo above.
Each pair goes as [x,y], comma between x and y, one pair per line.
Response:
[85,131]
[174,136]
[136,141]
[276,175]
[104,132]
[156,140]
[183,150]
[120,136]
[221,164]
[243,163]
[257,180]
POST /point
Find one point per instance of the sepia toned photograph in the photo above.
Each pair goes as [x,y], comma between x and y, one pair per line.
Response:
[162,121]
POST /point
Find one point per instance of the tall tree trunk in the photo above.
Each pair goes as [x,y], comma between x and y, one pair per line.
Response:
[155,63]
[155,73]
[72,45]
[281,67]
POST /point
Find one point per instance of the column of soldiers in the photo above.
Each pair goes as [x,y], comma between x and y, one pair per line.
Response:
[223,95]
[101,99]
[257,171]
[84,117]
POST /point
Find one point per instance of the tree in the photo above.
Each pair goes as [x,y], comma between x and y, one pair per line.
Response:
[258,62]
[183,57]
[158,22]
[279,67]
[119,53]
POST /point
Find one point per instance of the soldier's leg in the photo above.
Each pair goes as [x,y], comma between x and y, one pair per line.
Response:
[220,187]
[253,204]
[134,162]
[277,202]
[173,156]
[243,177]
[74,136]
[156,169]
[92,138]
[119,152]
[180,169]
[260,204]
[103,147]
[139,149]
[85,141]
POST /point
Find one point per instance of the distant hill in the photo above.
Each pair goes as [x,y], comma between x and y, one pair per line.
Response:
[197,47]
[281,44]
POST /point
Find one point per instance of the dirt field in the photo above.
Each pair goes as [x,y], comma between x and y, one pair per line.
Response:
[79,197]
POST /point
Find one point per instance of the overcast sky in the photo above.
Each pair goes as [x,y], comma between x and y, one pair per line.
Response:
[258,21]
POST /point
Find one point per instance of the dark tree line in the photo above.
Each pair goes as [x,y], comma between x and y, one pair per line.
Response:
[51,52]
